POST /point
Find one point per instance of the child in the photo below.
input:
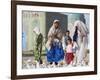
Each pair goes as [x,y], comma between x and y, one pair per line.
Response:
[69,53]
[65,38]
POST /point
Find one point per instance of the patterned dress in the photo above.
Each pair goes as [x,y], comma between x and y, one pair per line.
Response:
[55,53]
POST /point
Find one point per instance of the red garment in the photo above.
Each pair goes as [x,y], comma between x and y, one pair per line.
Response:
[69,57]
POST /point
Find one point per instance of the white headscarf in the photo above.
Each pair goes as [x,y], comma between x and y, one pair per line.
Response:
[36,30]
[81,27]
[82,40]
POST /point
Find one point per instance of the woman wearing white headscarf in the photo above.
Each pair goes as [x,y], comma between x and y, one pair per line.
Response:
[82,40]
[38,46]
[55,51]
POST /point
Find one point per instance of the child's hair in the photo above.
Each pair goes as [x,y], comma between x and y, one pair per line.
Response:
[69,39]
[68,31]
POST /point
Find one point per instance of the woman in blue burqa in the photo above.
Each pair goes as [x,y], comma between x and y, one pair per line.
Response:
[55,51]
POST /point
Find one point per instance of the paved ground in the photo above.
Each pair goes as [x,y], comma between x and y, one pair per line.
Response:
[28,62]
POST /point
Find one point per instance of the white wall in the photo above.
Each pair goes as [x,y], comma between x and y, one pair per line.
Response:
[5,37]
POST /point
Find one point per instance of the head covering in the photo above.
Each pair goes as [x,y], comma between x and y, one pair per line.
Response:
[56,21]
[36,30]
[81,27]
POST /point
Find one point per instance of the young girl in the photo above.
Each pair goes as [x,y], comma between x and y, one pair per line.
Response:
[69,56]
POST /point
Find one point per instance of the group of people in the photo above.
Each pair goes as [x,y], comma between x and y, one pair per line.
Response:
[60,46]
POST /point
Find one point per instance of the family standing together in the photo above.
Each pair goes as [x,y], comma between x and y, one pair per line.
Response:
[60,46]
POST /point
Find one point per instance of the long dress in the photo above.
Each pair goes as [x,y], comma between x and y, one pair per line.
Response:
[82,40]
[55,53]
[38,48]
